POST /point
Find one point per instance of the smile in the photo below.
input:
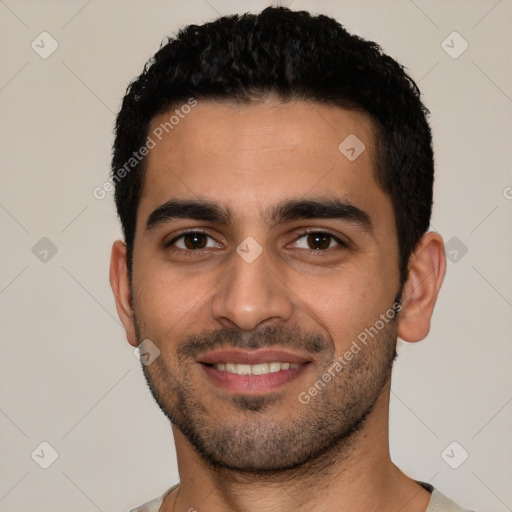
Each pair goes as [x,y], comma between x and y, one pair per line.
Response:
[252,372]
[255,369]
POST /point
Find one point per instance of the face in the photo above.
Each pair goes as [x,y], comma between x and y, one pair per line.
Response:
[262,254]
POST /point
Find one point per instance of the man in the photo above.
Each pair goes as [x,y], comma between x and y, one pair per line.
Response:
[273,179]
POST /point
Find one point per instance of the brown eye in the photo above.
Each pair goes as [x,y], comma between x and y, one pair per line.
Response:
[319,241]
[192,241]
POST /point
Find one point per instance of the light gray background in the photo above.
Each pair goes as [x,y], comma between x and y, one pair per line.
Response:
[68,377]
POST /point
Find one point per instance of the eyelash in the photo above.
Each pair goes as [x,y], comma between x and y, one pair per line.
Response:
[315,252]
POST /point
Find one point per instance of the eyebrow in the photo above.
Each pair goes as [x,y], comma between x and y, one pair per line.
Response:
[290,210]
[187,209]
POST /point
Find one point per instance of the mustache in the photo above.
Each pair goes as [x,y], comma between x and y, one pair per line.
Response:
[269,336]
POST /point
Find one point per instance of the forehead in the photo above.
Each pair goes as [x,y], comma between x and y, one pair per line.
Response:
[247,157]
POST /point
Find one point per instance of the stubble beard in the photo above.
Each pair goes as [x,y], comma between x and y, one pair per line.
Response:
[252,439]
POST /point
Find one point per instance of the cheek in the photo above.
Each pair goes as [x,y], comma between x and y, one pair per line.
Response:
[166,302]
[343,303]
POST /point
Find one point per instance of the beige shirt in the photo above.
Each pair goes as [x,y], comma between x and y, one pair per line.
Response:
[438,502]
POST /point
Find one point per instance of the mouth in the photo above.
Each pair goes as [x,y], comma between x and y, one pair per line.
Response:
[252,372]
[255,369]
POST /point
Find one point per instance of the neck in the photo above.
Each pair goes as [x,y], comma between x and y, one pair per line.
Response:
[355,475]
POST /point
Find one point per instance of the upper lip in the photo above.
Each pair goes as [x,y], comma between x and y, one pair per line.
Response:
[257,356]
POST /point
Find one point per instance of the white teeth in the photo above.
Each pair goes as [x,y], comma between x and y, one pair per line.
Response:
[255,369]
[274,367]
[243,369]
[260,369]
[230,367]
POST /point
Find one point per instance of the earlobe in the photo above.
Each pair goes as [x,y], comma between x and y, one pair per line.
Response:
[120,283]
[427,267]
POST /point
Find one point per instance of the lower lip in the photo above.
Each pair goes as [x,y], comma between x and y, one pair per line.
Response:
[253,384]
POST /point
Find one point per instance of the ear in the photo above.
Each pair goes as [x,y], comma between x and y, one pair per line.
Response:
[427,267]
[120,284]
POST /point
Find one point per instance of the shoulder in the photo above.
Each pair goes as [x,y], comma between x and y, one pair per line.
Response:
[154,505]
[440,503]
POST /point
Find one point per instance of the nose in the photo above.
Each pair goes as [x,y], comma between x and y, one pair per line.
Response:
[251,294]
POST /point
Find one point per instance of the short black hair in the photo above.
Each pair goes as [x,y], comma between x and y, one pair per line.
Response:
[296,56]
